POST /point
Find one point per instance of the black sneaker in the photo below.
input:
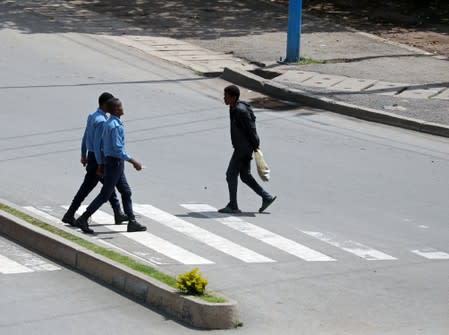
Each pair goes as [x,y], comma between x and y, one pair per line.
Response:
[134,226]
[229,210]
[83,224]
[266,203]
[120,217]
[69,218]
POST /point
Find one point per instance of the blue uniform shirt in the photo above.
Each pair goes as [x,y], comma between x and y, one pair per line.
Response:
[92,135]
[114,139]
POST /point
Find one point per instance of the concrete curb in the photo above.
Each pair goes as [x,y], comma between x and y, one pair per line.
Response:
[187,309]
[282,92]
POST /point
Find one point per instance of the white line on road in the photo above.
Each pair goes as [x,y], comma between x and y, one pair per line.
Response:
[352,247]
[26,259]
[430,253]
[8,266]
[149,240]
[260,234]
[43,215]
[201,234]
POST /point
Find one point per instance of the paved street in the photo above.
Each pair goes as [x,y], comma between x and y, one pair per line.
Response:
[40,297]
[355,244]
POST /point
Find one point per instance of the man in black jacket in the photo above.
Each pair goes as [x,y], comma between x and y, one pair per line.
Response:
[244,140]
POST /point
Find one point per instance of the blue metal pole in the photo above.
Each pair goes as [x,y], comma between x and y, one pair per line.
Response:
[294,30]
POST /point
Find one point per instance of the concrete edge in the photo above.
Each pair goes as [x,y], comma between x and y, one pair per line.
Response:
[186,309]
[282,92]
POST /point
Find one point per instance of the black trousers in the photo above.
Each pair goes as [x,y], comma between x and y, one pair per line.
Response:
[240,164]
[114,176]
[91,180]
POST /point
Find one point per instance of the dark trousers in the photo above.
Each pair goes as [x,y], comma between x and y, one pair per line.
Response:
[91,180]
[114,176]
[240,164]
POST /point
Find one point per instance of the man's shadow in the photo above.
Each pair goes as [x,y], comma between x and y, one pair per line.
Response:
[216,215]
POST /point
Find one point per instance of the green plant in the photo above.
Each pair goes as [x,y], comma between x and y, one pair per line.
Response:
[308,61]
[192,282]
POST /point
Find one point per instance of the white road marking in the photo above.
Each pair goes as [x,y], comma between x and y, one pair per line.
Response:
[200,234]
[352,247]
[260,234]
[8,266]
[112,246]
[149,240]
[430,253]
[43,214]
[26,259]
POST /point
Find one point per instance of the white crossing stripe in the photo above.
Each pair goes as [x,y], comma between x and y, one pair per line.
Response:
[261,234]
[149,240]
[352,247]
[43,214]
[200,234]
[8,266]
[112,246]
[25,258]
[430,253]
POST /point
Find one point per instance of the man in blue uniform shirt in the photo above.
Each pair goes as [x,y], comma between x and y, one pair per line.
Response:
[112,161]
[90,152]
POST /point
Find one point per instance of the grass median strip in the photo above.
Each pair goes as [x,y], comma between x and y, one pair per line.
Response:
[110,254]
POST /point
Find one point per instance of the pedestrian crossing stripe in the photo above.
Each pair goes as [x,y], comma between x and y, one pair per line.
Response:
[22,261]
[430,253]
[261,234]
[352,247]
[183,256]
[202,235]
[148,240]
[8,266]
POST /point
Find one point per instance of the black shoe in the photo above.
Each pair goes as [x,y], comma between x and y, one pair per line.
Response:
[266,203]
[120,217]
[229,210]
[134,226]
[83,224]
[69,218]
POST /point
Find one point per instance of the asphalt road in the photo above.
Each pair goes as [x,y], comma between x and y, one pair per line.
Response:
[41,297]
[363,206]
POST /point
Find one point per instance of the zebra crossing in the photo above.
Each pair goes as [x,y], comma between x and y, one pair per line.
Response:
[151,247]
[16,260]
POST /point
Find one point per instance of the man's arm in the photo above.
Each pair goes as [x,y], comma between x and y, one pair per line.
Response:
[83,159]
[119,149]
[98,149]
[249,126]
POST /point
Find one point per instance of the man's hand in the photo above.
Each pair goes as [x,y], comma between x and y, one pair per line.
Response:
[136,164]
[83,161]
[100,170]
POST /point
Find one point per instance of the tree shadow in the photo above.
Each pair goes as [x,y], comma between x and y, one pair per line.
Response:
[192,19]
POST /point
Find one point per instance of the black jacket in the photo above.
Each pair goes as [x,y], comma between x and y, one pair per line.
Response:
[243,128]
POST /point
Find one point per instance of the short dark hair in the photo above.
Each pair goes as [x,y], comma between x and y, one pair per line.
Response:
[104,97]
[233,91]
[111,103]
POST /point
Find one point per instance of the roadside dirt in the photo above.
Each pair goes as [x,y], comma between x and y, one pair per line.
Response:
[422,24]
[419,23]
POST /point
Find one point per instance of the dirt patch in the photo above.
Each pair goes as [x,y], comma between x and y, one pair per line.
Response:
[418,23]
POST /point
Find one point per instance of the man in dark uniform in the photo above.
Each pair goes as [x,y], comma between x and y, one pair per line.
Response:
[90,149]
[112,165]
[244,140]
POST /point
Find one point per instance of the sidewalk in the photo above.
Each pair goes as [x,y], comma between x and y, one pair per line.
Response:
[345,66]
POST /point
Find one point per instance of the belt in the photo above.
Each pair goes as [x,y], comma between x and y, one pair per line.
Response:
[115,159]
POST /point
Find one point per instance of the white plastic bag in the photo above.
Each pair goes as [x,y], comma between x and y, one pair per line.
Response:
[262,167]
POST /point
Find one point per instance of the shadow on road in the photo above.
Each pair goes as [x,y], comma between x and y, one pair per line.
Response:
[194,19]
